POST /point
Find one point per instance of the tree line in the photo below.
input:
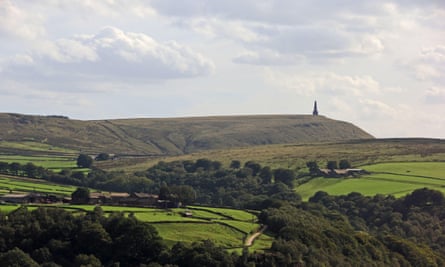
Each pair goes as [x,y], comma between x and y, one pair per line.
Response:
[352,230]
[55,237]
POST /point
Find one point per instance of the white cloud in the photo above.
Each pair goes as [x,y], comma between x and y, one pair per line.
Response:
[268,57]
[114,54]
[434,54]
[435,95]
[231,29]
[324,83]
[343,53]
[372,109]
[106,8]
[430,64]
[19,23]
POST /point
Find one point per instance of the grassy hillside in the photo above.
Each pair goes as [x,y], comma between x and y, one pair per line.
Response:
[228,231]
[362,152]
[173,136]
[397,178]
[12,184]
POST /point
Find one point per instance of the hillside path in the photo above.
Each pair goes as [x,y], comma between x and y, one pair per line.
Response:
[251,238]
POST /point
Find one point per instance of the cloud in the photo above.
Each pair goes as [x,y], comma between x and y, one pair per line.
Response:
[113,54]
[19,23]
[372,109]
[429,64]
[327,83]
[435,95]
[284,12]
[232,29]
[278,32]
[268,57]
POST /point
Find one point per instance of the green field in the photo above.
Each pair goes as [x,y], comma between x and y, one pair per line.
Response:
[428,169]
[239,215]
[18,184]
[295,156]
[222,235]
[54,163]
[36,147]
[8,208]
[397,179]
[245,227]
[40,154]
[173,227]
[44,161]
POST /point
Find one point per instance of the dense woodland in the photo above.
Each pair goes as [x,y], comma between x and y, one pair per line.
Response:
[351,230]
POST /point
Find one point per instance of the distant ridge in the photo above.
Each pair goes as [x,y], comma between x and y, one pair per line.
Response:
[174,136]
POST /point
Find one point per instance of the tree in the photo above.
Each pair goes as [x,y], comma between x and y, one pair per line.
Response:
[87,260]
[313,166]
[205,164]
[164,192]
[81,196]
[332,165]
[235,164]
[266,175]
[78,175]
[186,194]
[255,167]
[31,170]
[344,164]
[84,161]
[103,156]
[16,257]
[15,167]
[285,176]
[4,167]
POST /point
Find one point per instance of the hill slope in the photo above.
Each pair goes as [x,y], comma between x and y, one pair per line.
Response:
[174,136]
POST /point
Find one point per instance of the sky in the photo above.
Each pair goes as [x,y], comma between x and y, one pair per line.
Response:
[377,64]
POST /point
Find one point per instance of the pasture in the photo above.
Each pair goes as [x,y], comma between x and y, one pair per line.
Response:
[396,179]
[20,184]
[54,163]
[33,147]
[295,156]
[222,235]
[234,214]
[206,223]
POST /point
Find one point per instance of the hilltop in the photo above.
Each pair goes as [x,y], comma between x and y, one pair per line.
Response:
[175,136]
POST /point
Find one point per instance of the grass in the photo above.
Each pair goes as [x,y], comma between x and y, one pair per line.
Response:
[239,215]
[245,227]
[156,216]
[112,208]
[53,163]
[173,227]
[35,146]
[396,179]
[203,214]
[193,232]
[172,136]
[430,169]
[263,242]
[8,208]
[295,156]
[18,184]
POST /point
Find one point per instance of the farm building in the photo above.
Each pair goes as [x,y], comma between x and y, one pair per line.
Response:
[141,199]
[133,199]
[24,198]
[107,198]
[15,198]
